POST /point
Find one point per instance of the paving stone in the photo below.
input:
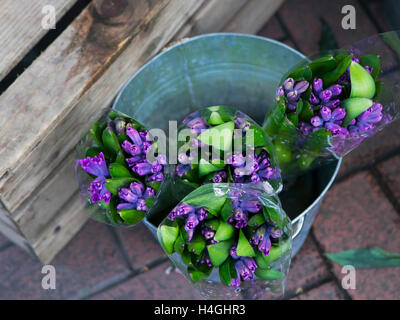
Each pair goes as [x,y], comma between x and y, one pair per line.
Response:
[152,285]
[141,246]
[327,291]
[356,214]
[89,259]
[390,170]
[306,269]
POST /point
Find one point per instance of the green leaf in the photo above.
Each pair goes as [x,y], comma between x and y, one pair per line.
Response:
[303,73]
[207,200]
[354,107]
[255,136]
[206,167]
[110,141]
[366,258]
[294,118]
[120,158]
[112,212]
[306,112]
[215,118]
[197,244]
[225,231]
[327,41]
[167,236]
[131,216]
[318,141]
[275,117]
[154,185]
[149,202]
[96,131]
[323,65]
[219,252]
[224,273]
[244,249]
[273,215]
[362,83]
[373,61]
[93,151]
[227,210]
[113,185]
[283,153]
[179,245]
[118,170]
[277,251]
[256,220]
[260,260]
[268,274]
[220,137]
[331,77]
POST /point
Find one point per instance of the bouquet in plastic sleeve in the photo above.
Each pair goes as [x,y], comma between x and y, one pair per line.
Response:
[329,105]
[119,181]
[230,241]
[219,144]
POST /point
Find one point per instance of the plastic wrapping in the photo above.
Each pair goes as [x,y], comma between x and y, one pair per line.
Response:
[329,105]
[219,144]
[117,183]
[231,241]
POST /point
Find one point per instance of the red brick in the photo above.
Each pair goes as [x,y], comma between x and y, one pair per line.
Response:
[141,245]
[306,269]
[356,214]
[272,29]
[390,170]
[153,285]
[380,144]
[303,19]
[90,258]
[327,291]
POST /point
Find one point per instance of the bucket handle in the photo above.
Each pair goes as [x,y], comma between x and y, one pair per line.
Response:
[297,228]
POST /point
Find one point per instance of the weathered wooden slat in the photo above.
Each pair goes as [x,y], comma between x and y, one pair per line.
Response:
[71,83]
[253,16]
[21,28]
[212,17]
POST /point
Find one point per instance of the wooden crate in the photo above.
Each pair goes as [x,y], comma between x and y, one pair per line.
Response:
[45,111]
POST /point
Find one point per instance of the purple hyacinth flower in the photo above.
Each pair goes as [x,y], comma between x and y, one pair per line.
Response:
[137,188]
[240,217]
[191,222]
[202,214]
[338,114]
[158,177]
[305,128]
[332,104]
[219,177]
[146,146]
[316,121]
[317,85]
[265,245]
[335,89]
[233,253]
[183,158]
[184,209]
[134,160]
[250,263]
[280,92]
[130,148]
[252,206]
[325,96]
[237,160]
[235,282]
[126,205]
[127,195]
[143,168]
[181,169]
[325,113]
[333,127]
[301,86]
[208,233]
[156,167]
[141,205]
[96,166]
[369,69]
[288,84]
[313,99]
[293,96]
[149,193]
[134,135]
[98,190]
[243,270]
[196,125]
[275,232]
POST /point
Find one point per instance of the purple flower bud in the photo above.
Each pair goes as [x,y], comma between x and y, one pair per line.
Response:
[181,169]
[208,234]
[158,177]
[369,69]
[325,113]
[293,96]
[305,128]
[280,92]
[237,160]
[235,282]
[333,127]
[162,159]
[352,122]
[268,173]
[96,166]
[338,114]
[156,167]
[332,104]
[98,190]
[130,148]
[288,84]
[252,206]
[149,193]
[127,195]
[317,85]
[202,214]
[265,245]
[316,121]
[146,146]
[240,217]
[336,90]
[134,160]
[275,232]
[355,59]
[134,135]
[250,263]
[183,158]
[243,270]
[325,96]
[125,205]
[184,209]
[301,86]
[292,106]
[141,205]
[143,168]
[233,253]
[197,125]
[191,222]
[313,99]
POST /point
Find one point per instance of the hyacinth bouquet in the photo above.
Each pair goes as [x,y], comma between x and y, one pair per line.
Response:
[330,105]
[230,240]
[118,182]
[224,145]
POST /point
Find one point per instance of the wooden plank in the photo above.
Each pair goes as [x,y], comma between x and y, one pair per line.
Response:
[253,16]
[21,28]
[68,87]
[15,237]
[61,230]
[212,17]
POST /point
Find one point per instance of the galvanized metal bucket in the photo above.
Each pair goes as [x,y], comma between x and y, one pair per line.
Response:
[242,71]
